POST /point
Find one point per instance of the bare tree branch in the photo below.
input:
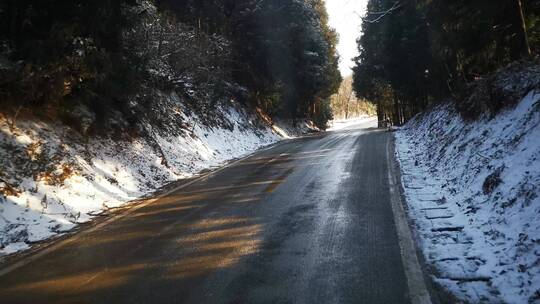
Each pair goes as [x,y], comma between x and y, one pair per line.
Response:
[382,14]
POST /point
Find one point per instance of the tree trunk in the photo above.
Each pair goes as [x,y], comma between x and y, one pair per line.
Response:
[521,31]
[380,115]
[347,105]
[396,119]
[339,103]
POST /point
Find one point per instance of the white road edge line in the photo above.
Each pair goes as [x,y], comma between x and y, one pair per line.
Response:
[78,235]
[418,291]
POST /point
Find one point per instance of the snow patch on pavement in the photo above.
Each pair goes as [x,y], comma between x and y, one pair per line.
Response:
[53,179]
[473,192]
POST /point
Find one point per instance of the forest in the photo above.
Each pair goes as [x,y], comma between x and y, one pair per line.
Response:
[413,53]
[112,56]
[346,105]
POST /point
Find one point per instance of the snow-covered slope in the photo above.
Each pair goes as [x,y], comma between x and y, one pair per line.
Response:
[52,178]
[473,192]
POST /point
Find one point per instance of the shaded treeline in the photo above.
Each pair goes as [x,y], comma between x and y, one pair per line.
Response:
[413,52]
[111,56]
[285,52]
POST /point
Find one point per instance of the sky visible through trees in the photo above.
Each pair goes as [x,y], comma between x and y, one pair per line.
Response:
[345,19]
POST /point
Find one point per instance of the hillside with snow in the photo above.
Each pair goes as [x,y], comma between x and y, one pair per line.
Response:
[473,194]
[52,178]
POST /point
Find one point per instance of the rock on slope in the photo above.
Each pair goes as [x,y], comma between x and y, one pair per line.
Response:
[473,194]
[52,178]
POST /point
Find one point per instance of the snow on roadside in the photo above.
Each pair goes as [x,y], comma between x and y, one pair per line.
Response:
[341,124]
[288,128]
[473,192]
[77,178]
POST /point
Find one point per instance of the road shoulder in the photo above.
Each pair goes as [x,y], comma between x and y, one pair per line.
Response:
[416,282]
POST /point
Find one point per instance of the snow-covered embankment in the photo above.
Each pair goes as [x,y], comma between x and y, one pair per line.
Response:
[473,192]
[52,178]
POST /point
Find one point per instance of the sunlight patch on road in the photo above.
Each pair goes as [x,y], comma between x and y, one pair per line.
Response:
[80,283]
[215,244]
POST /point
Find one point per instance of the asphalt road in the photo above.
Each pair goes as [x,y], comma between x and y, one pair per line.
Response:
[307,221]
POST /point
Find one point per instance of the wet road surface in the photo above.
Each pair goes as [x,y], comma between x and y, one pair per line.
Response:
[307,221]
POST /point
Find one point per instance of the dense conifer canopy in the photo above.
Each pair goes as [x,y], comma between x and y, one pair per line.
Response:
[279,55]
[415,52]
